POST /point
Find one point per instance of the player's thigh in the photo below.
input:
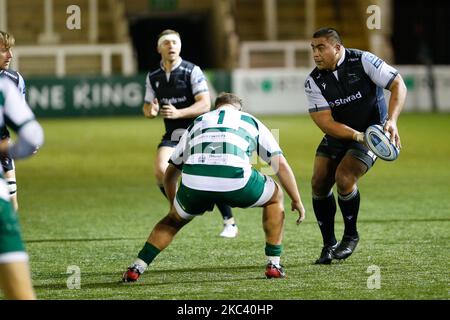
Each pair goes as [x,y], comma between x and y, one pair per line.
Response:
[357,161]
[10,237]
[276,198]
[15,280]
[272,194]
[161,160]
[257,192]
[349,171]
[323,175]
[190,203]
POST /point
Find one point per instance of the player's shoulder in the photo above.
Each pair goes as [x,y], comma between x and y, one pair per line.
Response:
[370,58]
[353,53]
[310,85]
[155,72]
[6,83]
[189,67]
[251,119]
[7,88]
[20,76]
[12,75]
[313,74]
[188,64]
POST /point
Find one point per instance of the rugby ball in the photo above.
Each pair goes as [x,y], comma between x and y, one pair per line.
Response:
[379,143]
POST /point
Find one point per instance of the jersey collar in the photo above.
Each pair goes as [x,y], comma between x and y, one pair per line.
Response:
[228,106]
[176,65]
[341,60]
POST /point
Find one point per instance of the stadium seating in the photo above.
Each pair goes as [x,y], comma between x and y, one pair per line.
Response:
[26,23]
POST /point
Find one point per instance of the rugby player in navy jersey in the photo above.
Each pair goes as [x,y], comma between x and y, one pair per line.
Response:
[6,43]
[345,96]
[178,92]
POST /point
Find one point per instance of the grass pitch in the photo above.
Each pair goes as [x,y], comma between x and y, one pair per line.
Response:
[89,199]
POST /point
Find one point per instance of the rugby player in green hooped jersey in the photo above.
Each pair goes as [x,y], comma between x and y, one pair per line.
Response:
[15,279]
[213,158]
[7,41]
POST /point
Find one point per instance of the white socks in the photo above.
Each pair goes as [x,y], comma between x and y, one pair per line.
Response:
[274,260]
[229,221]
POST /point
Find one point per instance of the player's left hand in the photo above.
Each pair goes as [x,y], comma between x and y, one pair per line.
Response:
[391,127]
[168,111]
[298,206]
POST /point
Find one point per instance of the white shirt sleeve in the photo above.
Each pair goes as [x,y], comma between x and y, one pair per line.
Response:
[149,92]
[21,119]
[198,81]
[378,71]
[16,109]
[267,145]
[316,101]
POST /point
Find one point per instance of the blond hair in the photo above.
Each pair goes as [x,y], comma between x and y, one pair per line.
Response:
[6,39]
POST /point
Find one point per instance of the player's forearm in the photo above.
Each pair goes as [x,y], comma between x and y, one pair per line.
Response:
[198,108]
[397,99]
[31,138]
[338,130]
[287,179]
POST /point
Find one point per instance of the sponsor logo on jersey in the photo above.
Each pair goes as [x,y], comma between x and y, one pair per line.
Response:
[307,84]
[353,77]
[346,100]
[174,100]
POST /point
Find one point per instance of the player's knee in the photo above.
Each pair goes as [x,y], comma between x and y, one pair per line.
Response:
[159,174]
[277,199]
[278,196]
[345,181]
[319,186]
[174,220]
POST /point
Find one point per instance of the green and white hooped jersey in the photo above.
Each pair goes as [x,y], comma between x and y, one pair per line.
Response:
[215,151]
[15,111]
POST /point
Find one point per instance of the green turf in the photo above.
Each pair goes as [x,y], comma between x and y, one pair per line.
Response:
[89,199]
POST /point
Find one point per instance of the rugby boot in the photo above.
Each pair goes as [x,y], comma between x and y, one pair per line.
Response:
[326,256]
[346,247]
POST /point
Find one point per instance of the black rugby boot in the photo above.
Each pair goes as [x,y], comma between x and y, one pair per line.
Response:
[326,255]
[346,247]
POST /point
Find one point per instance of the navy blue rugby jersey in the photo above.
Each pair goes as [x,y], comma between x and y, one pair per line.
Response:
[354,91]
[179,87]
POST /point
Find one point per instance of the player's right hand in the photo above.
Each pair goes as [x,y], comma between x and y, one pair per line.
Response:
[151,109]
[359,137]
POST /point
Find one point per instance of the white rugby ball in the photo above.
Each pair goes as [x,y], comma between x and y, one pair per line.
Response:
[379,143]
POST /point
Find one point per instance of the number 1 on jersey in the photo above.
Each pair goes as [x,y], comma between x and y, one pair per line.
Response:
[221,116]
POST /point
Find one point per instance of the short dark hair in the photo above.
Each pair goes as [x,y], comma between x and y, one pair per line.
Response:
[228,98]
[328,33]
